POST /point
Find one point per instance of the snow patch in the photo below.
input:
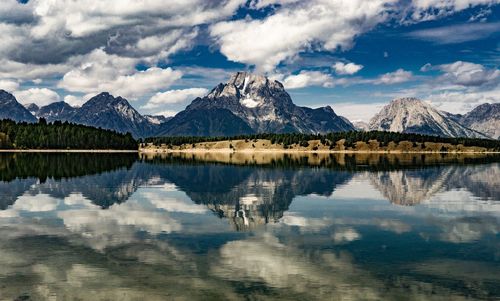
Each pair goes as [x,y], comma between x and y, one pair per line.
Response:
[249,103]
[245,83]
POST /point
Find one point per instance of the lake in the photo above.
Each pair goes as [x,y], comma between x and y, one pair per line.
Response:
[238,226]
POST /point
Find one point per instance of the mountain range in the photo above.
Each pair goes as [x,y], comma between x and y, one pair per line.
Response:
[249,104]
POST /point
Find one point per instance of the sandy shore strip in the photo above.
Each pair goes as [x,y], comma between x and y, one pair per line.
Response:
[104,151]
[299,151]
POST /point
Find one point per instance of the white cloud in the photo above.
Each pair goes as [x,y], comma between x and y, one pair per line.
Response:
[104,72]
[48,39]
[461,86]
[28,71]
[460,102]
[39,96]
[423,10]
[76,101]
[308,78]
[9,85]
[456,33]
[358,111]
[297,27]
[346,69]
[396,77]
[81,19]
[468,74]
[167,113]
[173,97]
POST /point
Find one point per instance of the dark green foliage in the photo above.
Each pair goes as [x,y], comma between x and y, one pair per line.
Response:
[5,142]
[58,135]
[60,165]
[350,138]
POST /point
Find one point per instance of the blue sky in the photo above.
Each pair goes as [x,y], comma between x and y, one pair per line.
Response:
[354,55]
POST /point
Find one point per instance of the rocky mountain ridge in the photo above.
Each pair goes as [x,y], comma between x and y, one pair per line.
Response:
[11,109]
[484,118]
[412,115]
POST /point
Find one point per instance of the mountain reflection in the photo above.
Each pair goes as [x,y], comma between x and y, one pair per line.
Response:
[222,226]
[242,187]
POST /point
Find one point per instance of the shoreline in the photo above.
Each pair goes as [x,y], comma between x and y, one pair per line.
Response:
[232,151]
[104,151]
[288,151]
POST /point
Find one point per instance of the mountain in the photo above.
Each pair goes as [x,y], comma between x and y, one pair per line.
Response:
[206,122]
[361,126]
[114,113]
[157,119]
[251,104]
[33,108]
[56,111]
[485,119]
[11,109]
[411,115]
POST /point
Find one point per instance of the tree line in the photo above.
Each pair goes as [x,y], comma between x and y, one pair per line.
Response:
[384,138]
[61,135]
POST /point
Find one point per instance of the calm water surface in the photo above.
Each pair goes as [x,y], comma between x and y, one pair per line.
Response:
[243,227]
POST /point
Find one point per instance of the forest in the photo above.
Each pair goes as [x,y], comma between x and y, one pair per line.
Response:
[61,135]
[384,138]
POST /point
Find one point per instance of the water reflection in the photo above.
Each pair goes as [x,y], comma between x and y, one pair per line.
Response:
[222,226]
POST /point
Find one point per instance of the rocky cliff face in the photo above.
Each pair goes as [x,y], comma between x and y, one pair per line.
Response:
[485,119]
[13,110]
[411,115]
[260,103]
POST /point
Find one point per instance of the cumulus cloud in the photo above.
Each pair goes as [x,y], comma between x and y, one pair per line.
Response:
[173,97]
[465,73]
[57,30]
[297,27]
[396,77]
[461,86]
[307,78]
[463,101]
[39,96]
[104,72]
[9,85]
[49,39]
[346,69]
